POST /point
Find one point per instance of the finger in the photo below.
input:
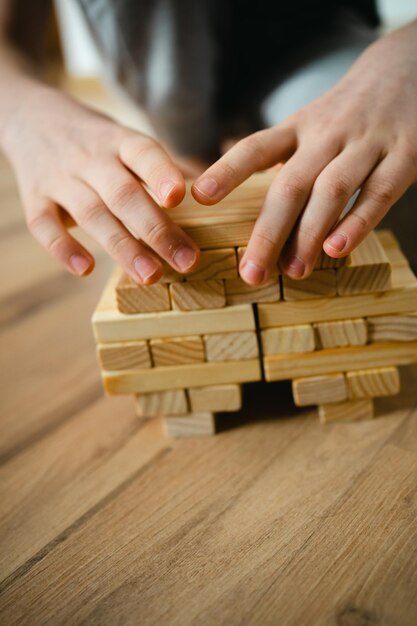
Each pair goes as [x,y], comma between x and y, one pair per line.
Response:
[383,188]
[283,203]
[152,164]
[252,154]
[92,215]
[129,202]
[46,226]
[330,194]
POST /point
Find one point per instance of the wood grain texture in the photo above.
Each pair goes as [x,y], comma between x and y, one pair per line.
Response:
[191,425]
[215,264]
[324,261]
[319,389]
[239,292]
[393,327]
[349,411]
[169,402]
[179,376]
[288,339]
[333,360]
[198,295]
[215,398]
[320,283]
[231,346]
[133,298]
[373,383]
[350,332]
[124,356]
[368,269]
[176,351]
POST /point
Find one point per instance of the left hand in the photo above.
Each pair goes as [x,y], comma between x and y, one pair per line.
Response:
[360,134]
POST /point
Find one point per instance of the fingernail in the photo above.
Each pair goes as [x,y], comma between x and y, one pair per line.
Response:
[165,189]
[295,266]
[337,242]
[207,186]
[252,272]
[79,264]
[145,267]
[184,258]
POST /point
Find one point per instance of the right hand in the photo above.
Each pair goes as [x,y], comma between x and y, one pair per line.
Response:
[70,159]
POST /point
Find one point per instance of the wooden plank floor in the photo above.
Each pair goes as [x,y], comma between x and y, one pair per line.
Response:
[104,521]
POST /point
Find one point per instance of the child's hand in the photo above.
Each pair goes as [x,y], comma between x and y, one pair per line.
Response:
[68,157]
[361,134]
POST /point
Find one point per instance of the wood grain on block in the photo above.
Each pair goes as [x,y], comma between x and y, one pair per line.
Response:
[191,425]
[393,327]
[124,356]
[349,411]
[216,398]
[368,269]
[198,295]
[392,248]
[177,350]
[169,402]
[334,360]
[221,235]
[133,298]
[320,283]
[241,251]
[401,298]
[288,339]
[319,389]
[324,261]
[217,264]
[176,377]
[352,332]
[373,383]
[239,292]
[231,346]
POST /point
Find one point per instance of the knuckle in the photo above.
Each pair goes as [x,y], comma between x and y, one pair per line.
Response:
[89,212]
[265,238]
[363,224]
[294,188]
[337,188]
[117,242]
[136,147]
[123,194]
[57,243]
[228,171]
[313,236]
[157,234]
[381,191]
[252,147]
[36,221]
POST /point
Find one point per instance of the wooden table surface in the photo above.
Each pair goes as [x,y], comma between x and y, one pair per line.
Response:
[277,520]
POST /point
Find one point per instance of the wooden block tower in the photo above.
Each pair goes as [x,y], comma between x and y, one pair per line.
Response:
[185,345]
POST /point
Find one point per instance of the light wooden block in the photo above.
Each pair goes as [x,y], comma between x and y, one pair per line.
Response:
[334,360]
[288,339]
[368,270]
[393,327]
[192,425]
[231,346]
[169,402]
[319,389]
[133,298]
[324,261]
[239,292]
[198,295]
[392,248]
[170,377]
[215,264]
[241,251]
[124,356]
[341,333]
[320,283]
[373,383]
[177,350]
[349,411]
[215,398]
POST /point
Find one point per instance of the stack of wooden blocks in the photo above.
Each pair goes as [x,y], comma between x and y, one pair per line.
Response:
[185,345]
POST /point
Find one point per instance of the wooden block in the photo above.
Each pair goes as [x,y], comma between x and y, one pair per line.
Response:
[133,298]
[368,270]
[393,327]
[195,375]
[124,356]
[222,235]
[392,248]
[349,411]
[334,360]
[198,295]
[325,261]
[319,389]
[372,383]
[239,292]
[216,398]
[192,425]
[177,350]
[341,333]
[241,251]
[288,339]
[320,283]
[169,402]
[231,346]
[215,264]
